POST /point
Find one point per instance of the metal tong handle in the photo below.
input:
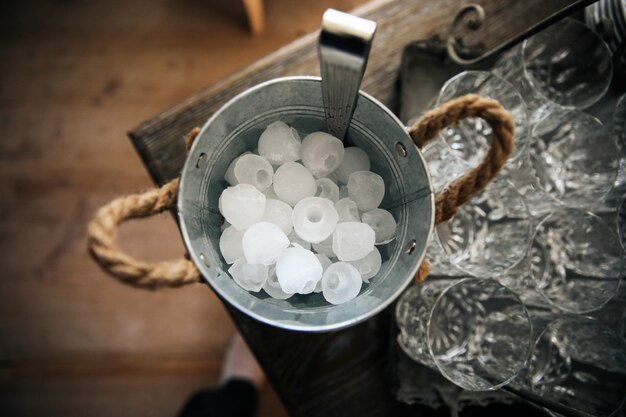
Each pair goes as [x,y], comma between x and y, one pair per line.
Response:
[344,47]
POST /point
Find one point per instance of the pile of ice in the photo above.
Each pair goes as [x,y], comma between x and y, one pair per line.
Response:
[302,217]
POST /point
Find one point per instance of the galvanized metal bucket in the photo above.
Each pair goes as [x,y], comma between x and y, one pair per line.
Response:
[297,101]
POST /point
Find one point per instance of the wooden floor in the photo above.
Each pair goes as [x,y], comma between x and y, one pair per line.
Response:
[75,76]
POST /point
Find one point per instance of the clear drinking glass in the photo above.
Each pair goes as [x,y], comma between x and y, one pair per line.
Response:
[579,363]
[475,331]
[566,64]
[487,236]
[573,161]
[470,139]
[443,164]
[575,261]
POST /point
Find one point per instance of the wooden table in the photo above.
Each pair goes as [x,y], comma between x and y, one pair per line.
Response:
[345,372]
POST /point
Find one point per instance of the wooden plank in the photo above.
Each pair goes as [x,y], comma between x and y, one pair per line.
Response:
[399,22]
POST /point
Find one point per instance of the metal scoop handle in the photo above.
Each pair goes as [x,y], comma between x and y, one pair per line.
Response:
[344,47]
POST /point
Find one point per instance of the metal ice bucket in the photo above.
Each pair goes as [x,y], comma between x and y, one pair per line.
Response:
[297,101]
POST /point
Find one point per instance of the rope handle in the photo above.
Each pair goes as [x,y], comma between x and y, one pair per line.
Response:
[102,233]
[476,179]
[102,230]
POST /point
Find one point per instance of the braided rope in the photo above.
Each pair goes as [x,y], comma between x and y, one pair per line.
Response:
[102,233]
[476,179]
[102,230]
[472,182]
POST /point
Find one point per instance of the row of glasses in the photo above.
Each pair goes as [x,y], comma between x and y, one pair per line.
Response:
[530,238]
[480,335]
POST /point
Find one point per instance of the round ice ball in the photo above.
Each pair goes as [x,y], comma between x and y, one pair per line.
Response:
[272,286]
[326,262]
[250,277]
[321,153]
[326,188]
[293,182]
[230,244]
[279,213]
[341,283]
[252,169]
[314,219]
[352,241]
[242,205]
[347,210]
[263,243]
[383,223]
[279,144]
[298,270]
[229,176]
[366,189]
[369,266]
[354,159]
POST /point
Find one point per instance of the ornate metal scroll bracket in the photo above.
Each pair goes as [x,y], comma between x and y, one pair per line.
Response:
[474,16]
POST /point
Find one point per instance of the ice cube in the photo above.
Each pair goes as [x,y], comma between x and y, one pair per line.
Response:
[347,210]
[298,241]
[354,159]
[298,270]
[254,170]
[242,205]
[368,266]
[270,193]
[325,247]
[343,192]
[272,286]
[279,213]
[333,177]
[314,219]
[383,223]
[249,277]
[324,260]
[352,241]
[229,176]
[293,182]
[279,144]
[341,283]
[230,244]
[263,243]
[367,189]
[326,188]
[321,153]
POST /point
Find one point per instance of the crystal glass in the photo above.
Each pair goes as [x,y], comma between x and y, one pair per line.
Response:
[573,161]
[566,64]
[578,363]
[475,331]
[575,261]
[488,235]
[470,139]
[443,164]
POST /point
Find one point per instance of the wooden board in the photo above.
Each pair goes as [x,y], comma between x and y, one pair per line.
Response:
[340,373]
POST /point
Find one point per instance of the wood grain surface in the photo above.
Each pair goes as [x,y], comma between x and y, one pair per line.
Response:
[345,372]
